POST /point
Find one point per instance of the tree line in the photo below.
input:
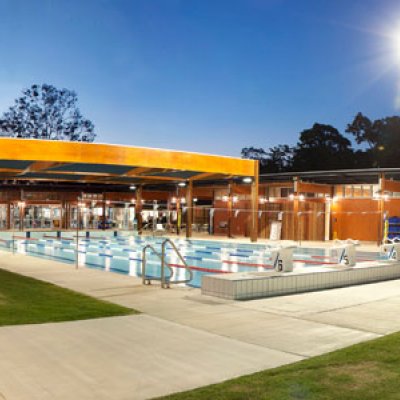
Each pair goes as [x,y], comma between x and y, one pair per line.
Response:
[323,147]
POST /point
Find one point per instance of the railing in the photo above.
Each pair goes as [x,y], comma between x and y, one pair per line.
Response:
[147,280]
[178,253]
[165,282]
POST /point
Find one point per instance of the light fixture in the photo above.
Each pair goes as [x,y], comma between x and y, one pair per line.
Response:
[173,200]
[108,202]
[195,200]
[21,204]
[262,200]
[376,196]
[301,197]
[235,199]
[291,196]
[132,187]
[225,198]
[247,179]
[181,184]
[183,200]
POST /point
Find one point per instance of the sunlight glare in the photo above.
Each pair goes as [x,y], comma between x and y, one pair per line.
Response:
[395,37]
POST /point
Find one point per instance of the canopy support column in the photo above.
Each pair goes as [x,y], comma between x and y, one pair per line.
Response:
[381,209]
[189,209]
[230,206]
[138,209]
[296,224]
[254,204]
[104,219]
[8,215]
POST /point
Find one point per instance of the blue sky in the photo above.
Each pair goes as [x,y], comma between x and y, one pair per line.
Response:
[206,75]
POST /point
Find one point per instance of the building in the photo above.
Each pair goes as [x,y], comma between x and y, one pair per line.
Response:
[324,205]
[55,185]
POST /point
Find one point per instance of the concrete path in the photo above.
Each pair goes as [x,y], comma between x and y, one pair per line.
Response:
[184,340]
[135,357]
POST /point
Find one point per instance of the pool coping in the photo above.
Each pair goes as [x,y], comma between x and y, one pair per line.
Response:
[254,285]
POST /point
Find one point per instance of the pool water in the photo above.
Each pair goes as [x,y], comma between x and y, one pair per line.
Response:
[123,254]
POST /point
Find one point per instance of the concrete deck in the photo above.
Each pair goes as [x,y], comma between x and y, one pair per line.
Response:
[133,357]
[184,340]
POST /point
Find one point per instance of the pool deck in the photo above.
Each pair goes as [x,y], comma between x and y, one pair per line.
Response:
[182,340]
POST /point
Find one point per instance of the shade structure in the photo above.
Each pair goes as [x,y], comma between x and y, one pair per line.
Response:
[43,160]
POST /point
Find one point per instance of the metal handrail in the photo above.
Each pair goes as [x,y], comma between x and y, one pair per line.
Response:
[162,278]
[163,255]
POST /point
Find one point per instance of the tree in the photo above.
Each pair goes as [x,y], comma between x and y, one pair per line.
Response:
[254,153]
[387,151]
[322,147]
[364,130]
[45,112]
[276,159]
[279,158]
[382,137]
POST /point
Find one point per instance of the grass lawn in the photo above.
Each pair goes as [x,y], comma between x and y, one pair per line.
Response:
[26,300]
[370,370]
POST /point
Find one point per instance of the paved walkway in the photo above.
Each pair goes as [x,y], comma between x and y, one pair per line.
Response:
[183,340]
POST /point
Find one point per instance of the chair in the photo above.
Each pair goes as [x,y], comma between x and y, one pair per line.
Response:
[160,230]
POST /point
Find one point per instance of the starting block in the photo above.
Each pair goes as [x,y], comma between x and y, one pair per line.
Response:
[282,258]
[392,250]
[344,251]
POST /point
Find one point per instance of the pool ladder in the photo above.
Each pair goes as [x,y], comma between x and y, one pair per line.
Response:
[165,281]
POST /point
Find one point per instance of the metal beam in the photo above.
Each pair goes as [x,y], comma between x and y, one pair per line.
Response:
[137,171]
[203,175]
[39,166]
[114,178]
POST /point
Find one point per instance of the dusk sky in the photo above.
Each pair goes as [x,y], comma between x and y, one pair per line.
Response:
[206,75]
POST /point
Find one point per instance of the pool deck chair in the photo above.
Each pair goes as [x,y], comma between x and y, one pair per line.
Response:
[160,230]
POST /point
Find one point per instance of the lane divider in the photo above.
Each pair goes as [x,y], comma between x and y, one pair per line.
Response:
[212,270]
[57,238]
[246,264]
[25,238]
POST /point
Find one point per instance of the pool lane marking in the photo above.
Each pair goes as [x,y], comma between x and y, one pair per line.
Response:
[57,238]
[232,262]
[246,264]
[223,261]
[359,258]
[201,269]
[316,262]
[268,265]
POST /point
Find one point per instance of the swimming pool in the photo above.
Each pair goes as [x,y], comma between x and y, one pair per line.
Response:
[123,254]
